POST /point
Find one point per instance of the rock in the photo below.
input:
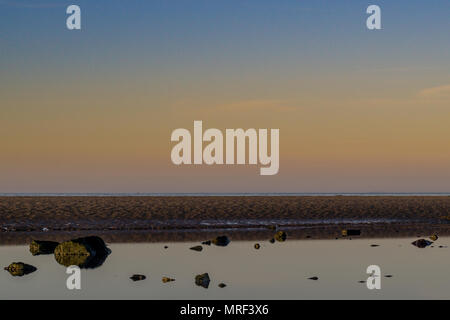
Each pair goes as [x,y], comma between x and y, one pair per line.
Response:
[374,245]
[207,243]
[197,248]
[167,279]
[88,252]
[19,269]
[351,232]
[280,236]
[434,237]
[388,276]
[221,241]
[138,277]
[222,285]
[202,280]
[421,243]
[313,278]
[257,246]
[272,240]
[42,247]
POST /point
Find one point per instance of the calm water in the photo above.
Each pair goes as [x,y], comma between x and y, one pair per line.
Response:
[276,271]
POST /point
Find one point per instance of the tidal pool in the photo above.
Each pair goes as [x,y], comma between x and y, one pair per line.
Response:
[275,271]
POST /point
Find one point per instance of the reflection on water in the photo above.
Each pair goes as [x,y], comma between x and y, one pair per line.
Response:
[279,270]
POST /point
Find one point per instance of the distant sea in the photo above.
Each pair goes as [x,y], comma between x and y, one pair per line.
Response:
[370,194]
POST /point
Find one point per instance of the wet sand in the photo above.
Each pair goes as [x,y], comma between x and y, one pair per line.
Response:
[164,218]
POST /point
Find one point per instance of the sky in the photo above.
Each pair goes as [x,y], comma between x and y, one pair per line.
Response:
[92,110]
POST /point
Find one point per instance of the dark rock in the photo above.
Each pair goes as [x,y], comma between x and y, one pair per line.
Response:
[388,276]
[257,246]
[351,232]
[272,240]
[313,278]
[374,245]
[197,248]
[280,236]
[19,269]
[222,285]
[88,252]
[221,241]
[42,247]
[207,243]
[202,280]
[421,243]
[138,277]
[434,237]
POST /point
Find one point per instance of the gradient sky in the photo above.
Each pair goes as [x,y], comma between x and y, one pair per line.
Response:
[93,110]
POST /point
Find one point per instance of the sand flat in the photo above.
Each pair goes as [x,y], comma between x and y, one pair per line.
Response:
[206,212]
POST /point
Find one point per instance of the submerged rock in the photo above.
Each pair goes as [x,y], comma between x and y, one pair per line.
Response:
[221,241]
[257,246]
[138,277]
[19,269]
[202,280]
[313,278]
[167,279]
[197,248]
[280,236]
[42,247]
[88,252]
[351,232]
[222,285]
[421,243]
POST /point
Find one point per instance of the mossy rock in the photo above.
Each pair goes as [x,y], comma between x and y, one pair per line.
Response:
[19,269]
[280,236]
[88,252]
[202,280]
[42,247]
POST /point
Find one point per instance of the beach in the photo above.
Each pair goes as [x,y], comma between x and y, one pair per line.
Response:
[263,247]
[166,217]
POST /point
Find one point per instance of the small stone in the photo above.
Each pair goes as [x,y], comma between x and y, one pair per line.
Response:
[434,237]
[207,243]
[351,232]
[422,243]
[257,246]
[281,236]
[167,279]
[138,277]
[272,240]
[202,280]
[374,245]
[197,248]
[19,269]
[221,241]
[222,285]
[313,278]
